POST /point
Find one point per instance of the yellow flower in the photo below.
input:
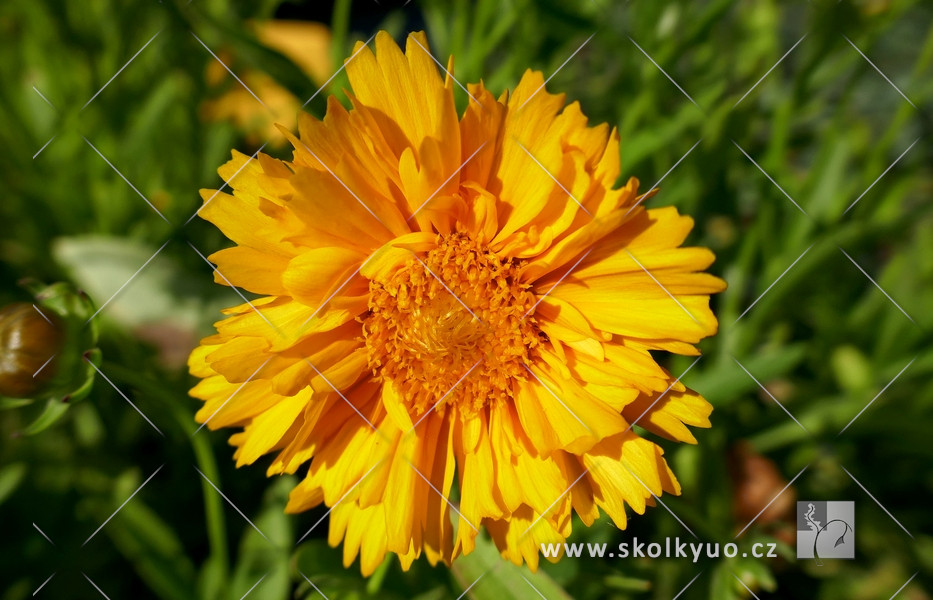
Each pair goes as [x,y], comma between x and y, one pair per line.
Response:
[457,317]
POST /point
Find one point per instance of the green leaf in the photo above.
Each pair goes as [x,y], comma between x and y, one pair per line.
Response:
[724,585]
[54,410]
[10,403]
[501,579]
[320,564]
[11,476]
[264,556]
[725,382]
[151,545]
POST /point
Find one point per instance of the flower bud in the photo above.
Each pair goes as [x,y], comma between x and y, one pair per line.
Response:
[48,353]
[30,341]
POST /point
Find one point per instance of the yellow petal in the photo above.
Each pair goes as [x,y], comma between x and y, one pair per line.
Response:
[559,415]
[253,270]
[668,416]
[266,429]
[396,407]
[315,275]
[410,100]
[480,135]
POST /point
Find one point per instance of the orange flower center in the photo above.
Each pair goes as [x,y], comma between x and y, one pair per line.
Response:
[450,328]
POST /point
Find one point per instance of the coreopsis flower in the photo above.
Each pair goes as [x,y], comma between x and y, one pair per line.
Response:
[457,317]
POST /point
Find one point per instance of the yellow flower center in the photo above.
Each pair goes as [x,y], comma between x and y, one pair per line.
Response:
[451,326]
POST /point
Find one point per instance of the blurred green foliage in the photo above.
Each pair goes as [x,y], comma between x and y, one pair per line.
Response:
[824,340]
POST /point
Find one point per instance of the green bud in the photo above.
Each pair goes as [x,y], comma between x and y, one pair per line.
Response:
[30,342]
[47,351]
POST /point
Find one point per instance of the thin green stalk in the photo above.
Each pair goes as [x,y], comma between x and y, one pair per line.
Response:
[375,581]
[213,507]
[340,29]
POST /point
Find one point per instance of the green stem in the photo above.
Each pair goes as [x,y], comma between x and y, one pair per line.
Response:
[340,28]
[375,582]
[213,507]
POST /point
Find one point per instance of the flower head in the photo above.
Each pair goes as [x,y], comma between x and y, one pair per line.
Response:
[457,317]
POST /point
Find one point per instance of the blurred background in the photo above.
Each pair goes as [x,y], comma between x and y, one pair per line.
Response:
[811,182]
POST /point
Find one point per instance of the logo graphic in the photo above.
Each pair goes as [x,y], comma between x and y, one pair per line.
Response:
[825,529]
